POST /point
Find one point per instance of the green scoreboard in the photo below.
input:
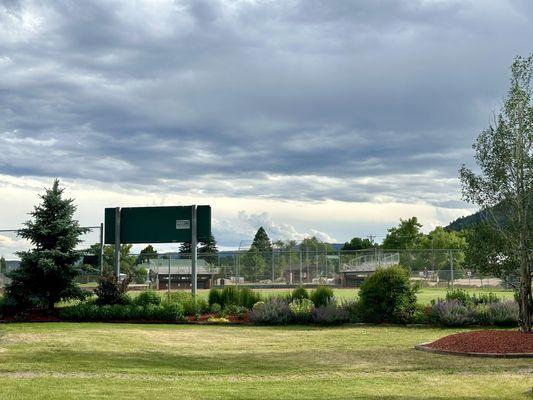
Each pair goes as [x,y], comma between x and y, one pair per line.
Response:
[157,224]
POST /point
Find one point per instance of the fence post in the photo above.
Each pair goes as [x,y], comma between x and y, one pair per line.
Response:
[451,267]
[101,248]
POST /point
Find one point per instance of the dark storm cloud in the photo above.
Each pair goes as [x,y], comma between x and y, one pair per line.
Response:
[368,100]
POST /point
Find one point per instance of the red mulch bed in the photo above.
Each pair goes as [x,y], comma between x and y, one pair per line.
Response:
[498,342]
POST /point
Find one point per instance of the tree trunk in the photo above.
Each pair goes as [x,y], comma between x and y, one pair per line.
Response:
[525,300]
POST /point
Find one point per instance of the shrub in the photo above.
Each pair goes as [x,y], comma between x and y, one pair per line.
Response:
[235,310]
[352,309]
[388,296]
[239,295]
[452,313]
[467,299]
[329,314]
[215,296]
[301,310]
[299,293]
[91,311]
[503,313]
[215,308]
[148,297]
[273,311]
[421,314]
[191,305]
[322,296]
[111,291]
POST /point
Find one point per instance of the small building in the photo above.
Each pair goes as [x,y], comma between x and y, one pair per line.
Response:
[179,271]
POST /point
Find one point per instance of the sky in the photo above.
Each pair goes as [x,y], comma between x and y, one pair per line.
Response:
[332,118]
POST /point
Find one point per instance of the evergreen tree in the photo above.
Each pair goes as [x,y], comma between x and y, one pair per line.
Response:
[209,250]
[3,265]
[46,273]
[262,241]
[357,244]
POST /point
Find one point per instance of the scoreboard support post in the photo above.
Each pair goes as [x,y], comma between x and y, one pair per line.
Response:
[194,249]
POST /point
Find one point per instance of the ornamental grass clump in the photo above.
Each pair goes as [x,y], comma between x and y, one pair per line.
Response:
[322,296]
[273,311]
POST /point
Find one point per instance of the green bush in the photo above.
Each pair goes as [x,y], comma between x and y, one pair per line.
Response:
[191,305]
[91,311]
[148,297]
[273,311]
[239,296]
[352,309]
[301,310]
[215,296]
[467,299]
[234,310]
[299,293]
[452,313]
[110,291]
[215,308]
[322,296]
[388,296]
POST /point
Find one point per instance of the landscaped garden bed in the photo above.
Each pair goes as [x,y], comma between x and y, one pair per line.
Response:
[487,343]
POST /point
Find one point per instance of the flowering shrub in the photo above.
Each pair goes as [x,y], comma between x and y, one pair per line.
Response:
[504,313]
[273,311]
[329,315]
[301,310]
[452,313]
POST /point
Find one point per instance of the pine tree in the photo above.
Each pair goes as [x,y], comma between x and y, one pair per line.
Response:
[3,265]
[46,273]
[185,248]
[209,250]
[262,241]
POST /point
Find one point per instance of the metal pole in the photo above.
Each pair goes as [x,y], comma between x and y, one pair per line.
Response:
[451,266]
[168,282]
[290,263]
[101,248]
[117,242]
[194,250]
[301,265]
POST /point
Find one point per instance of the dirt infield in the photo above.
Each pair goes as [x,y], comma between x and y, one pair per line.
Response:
[489,343]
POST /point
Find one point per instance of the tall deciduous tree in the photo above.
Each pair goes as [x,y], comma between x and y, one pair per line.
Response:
[405,236]
[46,273]
[504,154]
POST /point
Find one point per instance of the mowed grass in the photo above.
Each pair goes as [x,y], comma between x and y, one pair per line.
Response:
[424,296]
[128,361]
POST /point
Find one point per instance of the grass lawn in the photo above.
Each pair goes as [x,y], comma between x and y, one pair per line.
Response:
[128,361]
[424,296]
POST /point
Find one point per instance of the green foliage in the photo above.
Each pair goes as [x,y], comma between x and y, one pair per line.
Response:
[110,291]
[148,297]
[467,299]
[322,296]
[273,311]
[262,241]
[253,264]
[329,314]
[405,236]
[46,273]
[455,313]
[191,305]
[388,296]
[208,250]
[215,308]
[299,293]
[91,311]
[357,244]
[3,265]
[148,253]
[234,310]
[352,309]
[505,161]
[301,310]
[236,295]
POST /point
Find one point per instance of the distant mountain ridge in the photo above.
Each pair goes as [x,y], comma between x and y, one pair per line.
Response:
[483,215]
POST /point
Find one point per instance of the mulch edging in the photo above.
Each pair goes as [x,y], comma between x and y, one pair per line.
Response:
[486,343]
